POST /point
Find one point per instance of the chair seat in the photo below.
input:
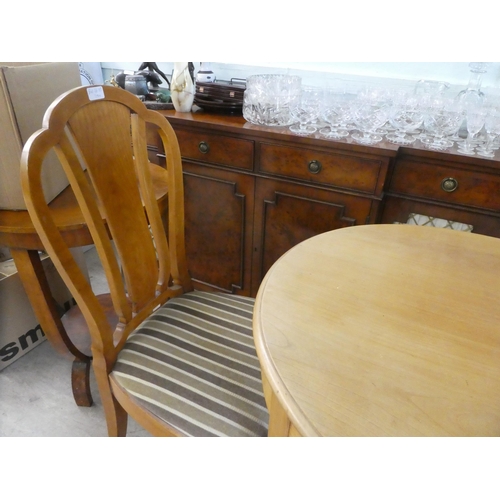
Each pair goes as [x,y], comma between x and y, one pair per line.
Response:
[193,365]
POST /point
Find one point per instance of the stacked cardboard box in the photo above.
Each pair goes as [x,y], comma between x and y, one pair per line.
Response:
[20,331]
[26,91]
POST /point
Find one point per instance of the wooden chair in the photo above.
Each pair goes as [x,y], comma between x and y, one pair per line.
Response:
[180,362]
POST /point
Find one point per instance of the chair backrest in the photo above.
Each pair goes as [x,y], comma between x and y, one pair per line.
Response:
[99,136]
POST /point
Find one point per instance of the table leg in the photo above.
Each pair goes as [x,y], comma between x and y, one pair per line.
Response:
[279,423]
[32,275]
[80,382]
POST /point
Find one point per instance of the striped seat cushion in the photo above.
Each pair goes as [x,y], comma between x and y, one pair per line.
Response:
[193,364]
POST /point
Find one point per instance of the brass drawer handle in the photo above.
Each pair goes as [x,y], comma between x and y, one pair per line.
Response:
[449,184]
[314,167]
[203,147]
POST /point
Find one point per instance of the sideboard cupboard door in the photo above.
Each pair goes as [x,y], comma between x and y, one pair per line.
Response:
[288,213]
[219,221]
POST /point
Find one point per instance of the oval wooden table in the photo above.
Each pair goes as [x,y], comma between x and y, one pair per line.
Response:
[382,330]
[68,335]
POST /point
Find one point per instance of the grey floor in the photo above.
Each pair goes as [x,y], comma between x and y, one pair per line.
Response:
[36,397]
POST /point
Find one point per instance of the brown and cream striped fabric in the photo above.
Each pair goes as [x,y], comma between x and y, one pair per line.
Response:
[193,364]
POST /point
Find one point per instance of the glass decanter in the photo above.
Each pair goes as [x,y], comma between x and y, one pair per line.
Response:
[473,95]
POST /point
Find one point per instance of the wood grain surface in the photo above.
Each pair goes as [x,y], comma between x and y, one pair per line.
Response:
[384,330]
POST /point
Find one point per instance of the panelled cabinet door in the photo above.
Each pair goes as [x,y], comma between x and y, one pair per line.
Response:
[219,220]
[288,213]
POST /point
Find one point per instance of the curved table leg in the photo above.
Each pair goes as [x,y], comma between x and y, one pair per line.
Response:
[80,382]
[32,275]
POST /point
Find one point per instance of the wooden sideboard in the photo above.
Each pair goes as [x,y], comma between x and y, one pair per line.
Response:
[253,192]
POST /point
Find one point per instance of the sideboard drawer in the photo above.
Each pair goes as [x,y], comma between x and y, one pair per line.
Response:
[339,170]
[446,184]
[215,148]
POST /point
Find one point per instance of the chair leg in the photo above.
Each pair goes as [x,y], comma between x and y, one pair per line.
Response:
[118,425]
[80,382]
[116,416]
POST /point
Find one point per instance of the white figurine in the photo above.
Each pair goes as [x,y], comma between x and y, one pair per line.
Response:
[182,87]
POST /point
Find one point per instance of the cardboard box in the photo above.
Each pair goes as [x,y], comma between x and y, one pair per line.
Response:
[20,331]
[26,91]
[4,254]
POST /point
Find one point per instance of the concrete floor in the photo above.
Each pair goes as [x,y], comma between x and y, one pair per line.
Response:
[36,397]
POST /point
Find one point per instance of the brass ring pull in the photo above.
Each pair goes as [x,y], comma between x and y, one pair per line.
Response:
[314,167]
[203,147]
[449,184]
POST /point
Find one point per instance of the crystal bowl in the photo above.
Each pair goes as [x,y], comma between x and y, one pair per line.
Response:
[268,98]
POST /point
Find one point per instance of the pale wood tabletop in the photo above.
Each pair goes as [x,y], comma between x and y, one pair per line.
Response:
[383,330]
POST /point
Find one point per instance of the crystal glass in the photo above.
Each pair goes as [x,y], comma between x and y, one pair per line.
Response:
[443,117]
[492,129]
[336,112]
[405,115]
[268,99]
[370,112]
[473,95]
[431,87]
[427,91]
[346,107]
[306,111]
[475,117]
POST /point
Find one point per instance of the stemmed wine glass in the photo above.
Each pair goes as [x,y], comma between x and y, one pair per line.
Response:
[475,118]
[426,91]
[405,115]
[492,129]
[306,111]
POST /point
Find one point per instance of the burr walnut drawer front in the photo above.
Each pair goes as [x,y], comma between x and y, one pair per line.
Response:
[215,148]
[339,170]
[447,184]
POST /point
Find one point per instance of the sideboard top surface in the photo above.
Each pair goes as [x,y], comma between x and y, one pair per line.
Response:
[237,124]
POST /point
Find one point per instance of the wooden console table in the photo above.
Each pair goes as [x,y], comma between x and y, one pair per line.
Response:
[68,335]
